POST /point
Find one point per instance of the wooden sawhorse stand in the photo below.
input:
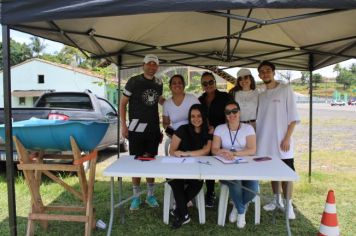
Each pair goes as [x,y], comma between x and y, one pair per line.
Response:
[33,168]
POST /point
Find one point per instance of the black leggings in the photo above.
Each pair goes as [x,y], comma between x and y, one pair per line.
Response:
[210,187]
[184,190]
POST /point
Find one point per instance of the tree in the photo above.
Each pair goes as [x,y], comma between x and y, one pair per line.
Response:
[345,77]
[285,74]
[19,52]
[317,78]
[305,77]
[37,46]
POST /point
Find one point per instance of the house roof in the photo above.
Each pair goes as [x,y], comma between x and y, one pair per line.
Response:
[68,67]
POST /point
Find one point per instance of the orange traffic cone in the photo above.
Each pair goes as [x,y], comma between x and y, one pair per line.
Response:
[329,224]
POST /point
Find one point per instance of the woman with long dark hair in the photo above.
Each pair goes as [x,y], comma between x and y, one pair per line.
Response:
[190,140]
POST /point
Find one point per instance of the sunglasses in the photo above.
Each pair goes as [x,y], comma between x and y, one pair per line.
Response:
[206,83]
[233,111]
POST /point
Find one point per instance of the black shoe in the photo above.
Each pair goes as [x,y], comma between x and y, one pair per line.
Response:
[174,213]
[178,222]
[210,200]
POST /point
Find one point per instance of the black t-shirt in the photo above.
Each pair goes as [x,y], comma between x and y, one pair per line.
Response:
[215,112]
[190,141]
[143,103]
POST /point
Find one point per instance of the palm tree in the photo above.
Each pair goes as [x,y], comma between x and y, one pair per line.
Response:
[37,46]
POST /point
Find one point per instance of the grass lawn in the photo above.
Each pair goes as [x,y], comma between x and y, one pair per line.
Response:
[334,167]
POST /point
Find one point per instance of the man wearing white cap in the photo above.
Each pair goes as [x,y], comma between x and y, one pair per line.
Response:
[142,93]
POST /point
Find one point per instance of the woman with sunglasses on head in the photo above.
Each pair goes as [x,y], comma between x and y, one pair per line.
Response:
[175,109]
[246,95]
[190,140]
[213,102]
[230,140]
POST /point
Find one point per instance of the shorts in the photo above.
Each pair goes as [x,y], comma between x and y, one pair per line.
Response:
[141,143]
[289,162]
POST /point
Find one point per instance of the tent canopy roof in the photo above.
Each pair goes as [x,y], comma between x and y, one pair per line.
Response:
[196,32]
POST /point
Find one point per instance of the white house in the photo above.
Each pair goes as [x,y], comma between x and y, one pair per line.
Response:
[32,78]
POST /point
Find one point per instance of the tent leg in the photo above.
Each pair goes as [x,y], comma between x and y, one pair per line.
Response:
[8,130]
[311,61]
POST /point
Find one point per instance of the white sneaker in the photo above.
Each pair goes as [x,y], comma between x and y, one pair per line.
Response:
[241,222]
[233,215]
[272,205]
[291,214]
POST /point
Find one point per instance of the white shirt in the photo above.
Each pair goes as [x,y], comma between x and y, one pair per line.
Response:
[178,115]
[277,108]
[248,101]
[244,130]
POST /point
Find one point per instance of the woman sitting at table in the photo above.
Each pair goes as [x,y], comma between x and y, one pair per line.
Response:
[190,140]
[230,140]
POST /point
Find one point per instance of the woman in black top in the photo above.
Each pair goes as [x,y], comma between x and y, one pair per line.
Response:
[190,140]
[213,102]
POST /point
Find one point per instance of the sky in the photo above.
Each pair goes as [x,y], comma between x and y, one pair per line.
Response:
[52,47]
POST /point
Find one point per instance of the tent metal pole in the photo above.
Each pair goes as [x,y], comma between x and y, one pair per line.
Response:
[339,54]
[228,27]
[8,130]
[65,35]
[119,63]
[311,62]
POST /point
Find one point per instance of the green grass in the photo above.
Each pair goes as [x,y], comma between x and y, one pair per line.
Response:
[309,199]
[324,89]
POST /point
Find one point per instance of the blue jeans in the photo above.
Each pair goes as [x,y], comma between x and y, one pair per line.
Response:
[239,195]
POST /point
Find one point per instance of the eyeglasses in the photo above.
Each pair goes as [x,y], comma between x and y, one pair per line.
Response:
[206,83]
[233,111]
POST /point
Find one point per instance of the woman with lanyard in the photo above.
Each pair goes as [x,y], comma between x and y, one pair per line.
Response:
[246,95]
[230,140]
[213,102]
[190,140]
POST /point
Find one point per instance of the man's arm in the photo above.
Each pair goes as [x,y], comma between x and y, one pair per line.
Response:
[161,100]
[123,105]
[285,144]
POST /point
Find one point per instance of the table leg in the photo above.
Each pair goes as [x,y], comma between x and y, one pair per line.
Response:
[287,208]
[121,207]
[112,208]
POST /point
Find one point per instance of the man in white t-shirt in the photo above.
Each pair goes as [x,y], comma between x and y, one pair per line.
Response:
[277,116]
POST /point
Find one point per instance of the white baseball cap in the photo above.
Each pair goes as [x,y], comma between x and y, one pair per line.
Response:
[151,57]
[243,72]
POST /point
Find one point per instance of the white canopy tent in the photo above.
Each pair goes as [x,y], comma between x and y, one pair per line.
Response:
[298,35]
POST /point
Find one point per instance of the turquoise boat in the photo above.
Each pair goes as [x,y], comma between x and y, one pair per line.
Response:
[54,135]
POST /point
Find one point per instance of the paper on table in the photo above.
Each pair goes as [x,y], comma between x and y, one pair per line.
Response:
[177,160]
[236,160]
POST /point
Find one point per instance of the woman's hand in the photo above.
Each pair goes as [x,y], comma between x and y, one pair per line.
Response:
[181,154]
[226,154]
[285,144]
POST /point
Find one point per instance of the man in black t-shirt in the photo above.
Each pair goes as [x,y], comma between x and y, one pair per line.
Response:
[142,93]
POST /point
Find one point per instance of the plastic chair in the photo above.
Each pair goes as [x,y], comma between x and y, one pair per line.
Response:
[167,143]
[168,204]
[223,200]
